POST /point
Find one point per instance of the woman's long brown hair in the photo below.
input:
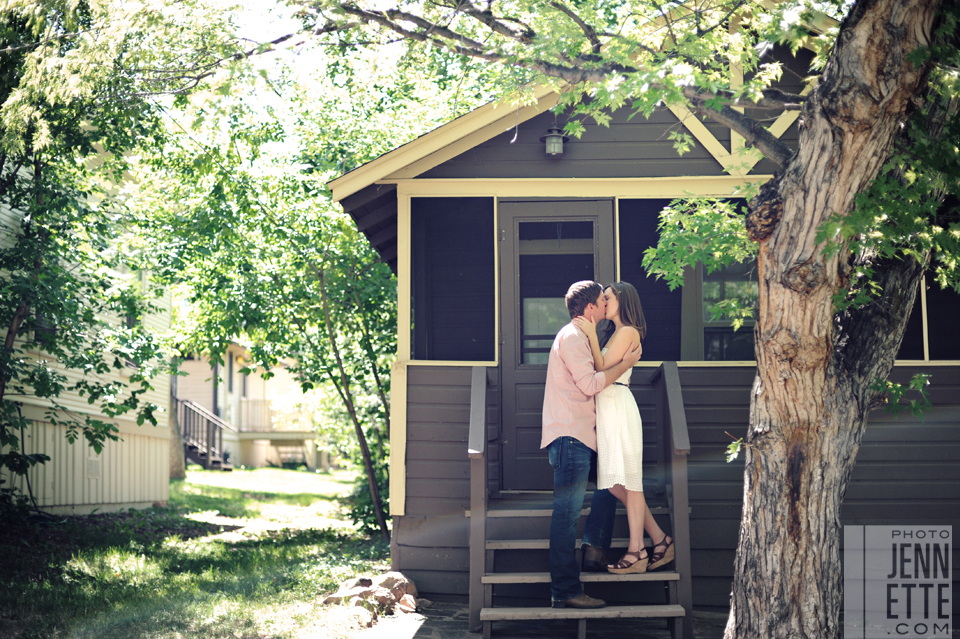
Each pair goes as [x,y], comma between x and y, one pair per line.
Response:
[631,312]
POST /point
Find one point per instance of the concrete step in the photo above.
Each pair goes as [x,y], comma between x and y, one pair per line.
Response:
[544,577]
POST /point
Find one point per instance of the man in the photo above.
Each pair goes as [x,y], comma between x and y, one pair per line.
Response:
[570,437]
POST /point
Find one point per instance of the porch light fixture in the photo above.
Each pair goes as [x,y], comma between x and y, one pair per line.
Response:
[554,139]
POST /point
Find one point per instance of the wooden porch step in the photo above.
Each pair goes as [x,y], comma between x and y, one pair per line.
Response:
[544,544]
[544,577]
[609,612]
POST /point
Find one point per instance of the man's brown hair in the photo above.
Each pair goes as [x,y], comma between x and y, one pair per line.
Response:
[580,295]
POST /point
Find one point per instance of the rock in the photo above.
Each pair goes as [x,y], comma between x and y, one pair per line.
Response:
[423,603]
[360,602]
[365,618]
[383,596]
[407,603]
[397,583]
[348,593]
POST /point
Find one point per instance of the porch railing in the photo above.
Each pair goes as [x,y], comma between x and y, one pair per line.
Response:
[678,441]
[202,433]
[476,451]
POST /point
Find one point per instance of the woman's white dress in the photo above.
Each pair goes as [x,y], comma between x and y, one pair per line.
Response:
[619,438]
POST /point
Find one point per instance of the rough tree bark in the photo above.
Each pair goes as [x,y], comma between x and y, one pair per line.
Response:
[812,392]
[178,461]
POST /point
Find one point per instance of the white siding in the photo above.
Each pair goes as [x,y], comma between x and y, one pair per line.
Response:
[127,473]
[133,472]
[9,225]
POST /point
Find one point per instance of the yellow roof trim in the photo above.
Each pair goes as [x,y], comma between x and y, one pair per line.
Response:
[430,143]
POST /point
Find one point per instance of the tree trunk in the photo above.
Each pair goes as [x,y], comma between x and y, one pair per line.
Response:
[178,462]
[812,393]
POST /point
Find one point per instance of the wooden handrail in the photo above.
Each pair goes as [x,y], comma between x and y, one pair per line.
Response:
[477,439]
[676,414]
[476,451]
[679,445]
[207,414]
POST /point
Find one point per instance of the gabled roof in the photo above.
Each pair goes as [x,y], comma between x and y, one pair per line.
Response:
[441,144]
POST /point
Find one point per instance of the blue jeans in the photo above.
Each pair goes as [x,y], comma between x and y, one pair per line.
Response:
[571,459]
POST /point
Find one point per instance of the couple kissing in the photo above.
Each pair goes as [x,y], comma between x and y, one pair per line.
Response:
[590,419]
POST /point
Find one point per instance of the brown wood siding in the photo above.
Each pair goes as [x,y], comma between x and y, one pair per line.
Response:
[906,471]
[431,541]
[635,147]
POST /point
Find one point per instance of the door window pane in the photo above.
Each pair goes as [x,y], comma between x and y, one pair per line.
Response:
[553,255]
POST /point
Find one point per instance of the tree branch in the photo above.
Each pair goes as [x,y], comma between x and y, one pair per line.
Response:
[473,49]
[526,35]
[754,134]
[588,30]
[34,45]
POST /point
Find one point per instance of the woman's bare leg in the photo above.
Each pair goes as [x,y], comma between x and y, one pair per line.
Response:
[620,493]
[639,517]
[635,518]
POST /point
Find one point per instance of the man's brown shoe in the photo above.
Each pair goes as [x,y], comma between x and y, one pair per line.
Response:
[583,601]
[594,559]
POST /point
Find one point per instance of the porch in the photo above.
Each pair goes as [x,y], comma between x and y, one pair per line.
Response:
[509,535]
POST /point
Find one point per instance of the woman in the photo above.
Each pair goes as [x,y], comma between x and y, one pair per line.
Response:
[619,431]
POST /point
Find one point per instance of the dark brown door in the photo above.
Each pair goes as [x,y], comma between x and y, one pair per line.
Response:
[545,246]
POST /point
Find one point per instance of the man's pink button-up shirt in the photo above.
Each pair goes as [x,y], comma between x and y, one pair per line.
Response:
[572,382]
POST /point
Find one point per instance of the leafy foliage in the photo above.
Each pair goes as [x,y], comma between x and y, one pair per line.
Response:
[71,312]
[910,211]
[699,230]
[893,393]
[235,211]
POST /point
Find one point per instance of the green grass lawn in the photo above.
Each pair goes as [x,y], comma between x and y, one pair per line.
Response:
[242,554]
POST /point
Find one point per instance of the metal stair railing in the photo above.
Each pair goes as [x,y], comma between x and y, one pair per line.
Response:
[203,430]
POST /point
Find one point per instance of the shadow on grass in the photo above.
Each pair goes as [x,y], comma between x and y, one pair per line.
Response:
[232,502]
[190,588]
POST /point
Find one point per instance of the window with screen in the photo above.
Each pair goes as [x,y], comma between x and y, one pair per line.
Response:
[452,269]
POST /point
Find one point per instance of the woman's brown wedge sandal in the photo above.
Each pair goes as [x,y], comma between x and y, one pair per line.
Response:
[663,553]
[624,567]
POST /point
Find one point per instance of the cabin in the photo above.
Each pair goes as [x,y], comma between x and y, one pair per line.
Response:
[241,418]
[485,231]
